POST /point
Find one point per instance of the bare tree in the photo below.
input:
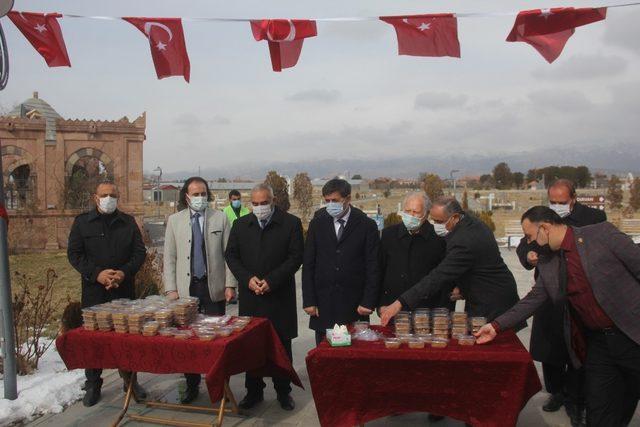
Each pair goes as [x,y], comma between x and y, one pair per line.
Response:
[280,190]
[303,194]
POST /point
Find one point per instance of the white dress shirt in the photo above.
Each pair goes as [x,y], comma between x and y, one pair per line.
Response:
[345,218]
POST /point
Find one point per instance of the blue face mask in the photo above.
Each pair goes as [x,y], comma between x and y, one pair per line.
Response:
[410,222]
[236,203]
[335,209]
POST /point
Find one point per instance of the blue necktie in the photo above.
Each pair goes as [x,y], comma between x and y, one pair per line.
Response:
[199,263]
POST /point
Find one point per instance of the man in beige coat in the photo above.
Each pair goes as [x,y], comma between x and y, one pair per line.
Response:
[194,265]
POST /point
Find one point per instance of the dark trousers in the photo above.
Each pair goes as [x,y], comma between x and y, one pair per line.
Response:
[612,379]
[256,385]
[566,380]
[200,288]
[320,336]
[93,377]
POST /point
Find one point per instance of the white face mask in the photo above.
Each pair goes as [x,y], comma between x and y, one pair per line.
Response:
[564,210]
[440,229]
[198,203]
[262,212]
[107,204]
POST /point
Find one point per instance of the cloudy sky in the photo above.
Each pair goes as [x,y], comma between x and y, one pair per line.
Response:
[350,96]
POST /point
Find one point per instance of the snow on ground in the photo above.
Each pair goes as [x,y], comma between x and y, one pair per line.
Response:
[49,390]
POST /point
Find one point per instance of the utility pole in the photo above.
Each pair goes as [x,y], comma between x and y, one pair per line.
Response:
[158,192]
[453,179]
[7,340]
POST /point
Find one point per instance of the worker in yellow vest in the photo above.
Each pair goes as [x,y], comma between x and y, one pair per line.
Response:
[235,209]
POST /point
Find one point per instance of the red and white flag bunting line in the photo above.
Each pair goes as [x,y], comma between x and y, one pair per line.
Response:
[430,35]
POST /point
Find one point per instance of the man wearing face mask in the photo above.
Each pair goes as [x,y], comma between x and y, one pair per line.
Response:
[265,252]
[235,209]
[340,275]
[194,244]
[562,382]
[409,251]
[105,246]
[593,272]
[472,260]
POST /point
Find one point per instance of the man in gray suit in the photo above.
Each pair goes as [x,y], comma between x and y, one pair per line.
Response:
[594,272]
[194,265]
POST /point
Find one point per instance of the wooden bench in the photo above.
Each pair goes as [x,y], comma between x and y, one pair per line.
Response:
[513,228]
[631,227]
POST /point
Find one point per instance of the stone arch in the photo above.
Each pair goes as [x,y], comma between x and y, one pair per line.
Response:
[19,177]
[89,152]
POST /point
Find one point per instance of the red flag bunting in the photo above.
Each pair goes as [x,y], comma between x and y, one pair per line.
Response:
[548,30]
[426,35]
[44,33]
[168,48]
[285,37]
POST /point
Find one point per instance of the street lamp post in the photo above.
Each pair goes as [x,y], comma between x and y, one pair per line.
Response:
[453,179]
[159,170]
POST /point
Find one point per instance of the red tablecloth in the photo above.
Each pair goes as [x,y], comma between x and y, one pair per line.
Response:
[256,349]
[483,385]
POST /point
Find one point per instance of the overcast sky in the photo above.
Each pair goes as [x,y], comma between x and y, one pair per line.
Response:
[350,95]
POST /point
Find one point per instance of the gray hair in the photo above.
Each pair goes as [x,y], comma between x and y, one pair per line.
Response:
[263,187]
[450,204]
[419,195]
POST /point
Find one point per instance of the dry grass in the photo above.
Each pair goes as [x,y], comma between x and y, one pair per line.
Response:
[35,266]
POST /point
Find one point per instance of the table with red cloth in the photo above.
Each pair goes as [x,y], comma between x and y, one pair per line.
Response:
[256,349]
[483,385]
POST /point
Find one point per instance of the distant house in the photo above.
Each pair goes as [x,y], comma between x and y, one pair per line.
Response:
[357,185]
[165,193]
[533,185]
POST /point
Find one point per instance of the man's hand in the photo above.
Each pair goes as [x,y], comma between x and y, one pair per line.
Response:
[172,295]
[119,276]
[380,309]
[364,311]
[263,287]
[486,334]
[456,294]
[107,279]
[229,294]
[389,312]
[254,285]
[312,311]
[532,258]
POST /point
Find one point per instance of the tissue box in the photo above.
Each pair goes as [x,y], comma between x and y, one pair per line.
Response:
[338,339]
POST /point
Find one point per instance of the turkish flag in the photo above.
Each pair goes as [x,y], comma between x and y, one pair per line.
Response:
[285,37]
[548,30]
[168,48]
[44,33]
[426,35]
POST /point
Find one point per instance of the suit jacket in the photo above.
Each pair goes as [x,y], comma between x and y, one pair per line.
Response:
[96,245]
[338,276]
[611,262]
[406,258]
[274,254]
[547,336]
[473,261]
[177,253]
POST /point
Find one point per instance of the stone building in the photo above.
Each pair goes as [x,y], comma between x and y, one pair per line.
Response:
[51,165]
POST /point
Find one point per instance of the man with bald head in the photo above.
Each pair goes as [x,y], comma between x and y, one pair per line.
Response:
[472,260]
[409,251]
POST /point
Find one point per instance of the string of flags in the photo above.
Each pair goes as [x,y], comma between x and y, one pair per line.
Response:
[428,35]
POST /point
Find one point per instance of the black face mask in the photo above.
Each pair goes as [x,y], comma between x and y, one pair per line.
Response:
[544,250]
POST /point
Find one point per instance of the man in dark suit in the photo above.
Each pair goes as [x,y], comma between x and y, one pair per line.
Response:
[409,251]
[547,343]
[105,246]
[340,271]
[264,252]
[594,273]
[472,260]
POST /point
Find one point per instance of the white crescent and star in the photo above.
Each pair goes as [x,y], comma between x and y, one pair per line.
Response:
[147,30]
[290,37]
[40,28]
[545,13]
[422,27]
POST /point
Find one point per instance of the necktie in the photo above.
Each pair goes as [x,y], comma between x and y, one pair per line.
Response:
[341,229]
[199,263]
[263,223]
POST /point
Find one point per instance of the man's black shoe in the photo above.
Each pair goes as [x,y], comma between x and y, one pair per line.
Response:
[577,415]
[553,403]
[190,395]
[250,400]
[287,403]
[92,393]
